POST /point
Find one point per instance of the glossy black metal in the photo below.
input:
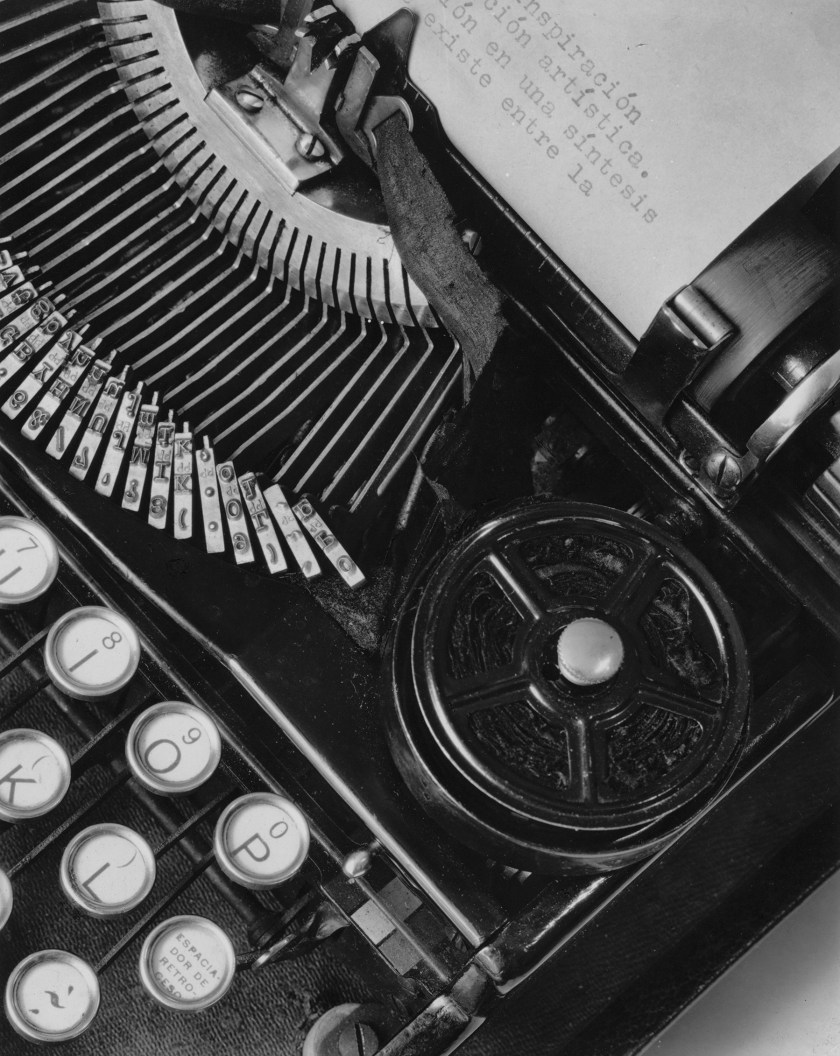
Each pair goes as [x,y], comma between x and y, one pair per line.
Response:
[480,640]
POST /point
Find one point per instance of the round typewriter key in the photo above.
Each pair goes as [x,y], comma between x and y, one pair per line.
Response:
[187,963]
[173,747]
[6,899]
[52,996]
[107,869]
[28,561]
[91,652]
[34,774]
[261,840]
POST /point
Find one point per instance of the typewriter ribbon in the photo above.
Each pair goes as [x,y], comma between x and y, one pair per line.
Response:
[569,689]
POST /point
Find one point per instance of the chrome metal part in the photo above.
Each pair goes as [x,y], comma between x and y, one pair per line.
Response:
[173,747]
[23,579]
[162,473]
[81,403]
[98,422]
[235,512]
[160,972]
[45,972]
[140,455]
[801,402]
[261,840]
[54,397]
[107,870]
[262,523]
[118,444]
[292,533]
[182,484]
[345,260]
[123,211]
[36,774]
[335,552]
[211,508]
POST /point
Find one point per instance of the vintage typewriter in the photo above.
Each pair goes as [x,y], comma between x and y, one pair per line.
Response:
[398,655]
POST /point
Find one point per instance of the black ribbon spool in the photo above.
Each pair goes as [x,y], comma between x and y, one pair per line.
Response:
[511,756]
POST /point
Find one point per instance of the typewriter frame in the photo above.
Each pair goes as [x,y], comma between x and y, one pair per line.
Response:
[613,930]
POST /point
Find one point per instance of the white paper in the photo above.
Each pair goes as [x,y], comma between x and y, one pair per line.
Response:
[636,138]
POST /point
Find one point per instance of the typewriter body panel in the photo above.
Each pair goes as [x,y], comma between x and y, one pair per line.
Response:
[695,504]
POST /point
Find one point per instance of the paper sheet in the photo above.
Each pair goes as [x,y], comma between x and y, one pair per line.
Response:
[637,139]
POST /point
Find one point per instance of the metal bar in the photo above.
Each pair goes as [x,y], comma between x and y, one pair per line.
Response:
[68,823]
[337,431]
[50,71]
[22,653]
[263,323]
[150,915]
[192,822]
[81,757]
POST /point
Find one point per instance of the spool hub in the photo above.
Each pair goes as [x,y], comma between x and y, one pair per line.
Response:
[569,688]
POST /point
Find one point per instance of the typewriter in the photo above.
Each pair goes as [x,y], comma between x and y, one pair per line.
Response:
[403,650]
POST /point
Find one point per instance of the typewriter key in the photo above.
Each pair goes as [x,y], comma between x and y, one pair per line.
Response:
[52,996]
[107,869]
[261,840]
[6,899]
[28,561]
[173,747]
[91,652]
[34,774]
[187,963]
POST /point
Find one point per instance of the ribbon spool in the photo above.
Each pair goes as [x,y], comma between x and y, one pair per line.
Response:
[568,689]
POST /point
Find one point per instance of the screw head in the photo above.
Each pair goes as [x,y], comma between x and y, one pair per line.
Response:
[357,1039]
[249,100]
[310,147]
[723,470]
